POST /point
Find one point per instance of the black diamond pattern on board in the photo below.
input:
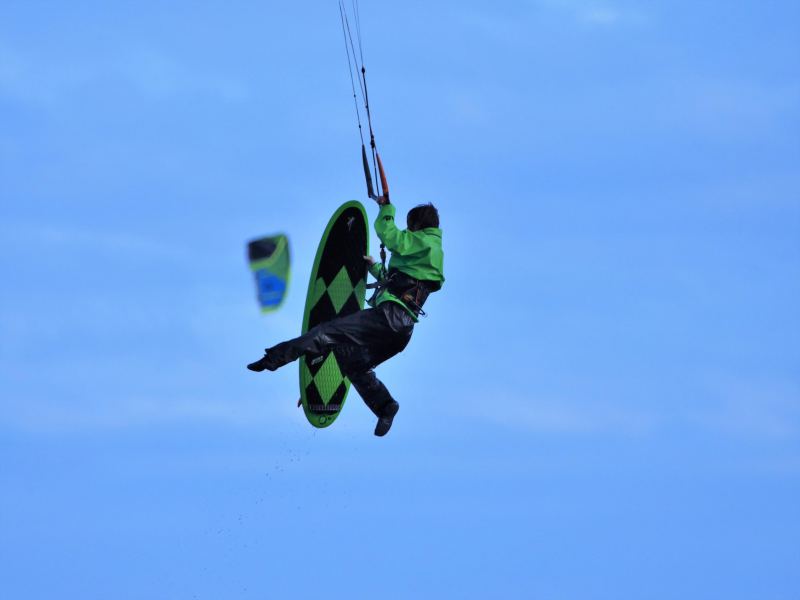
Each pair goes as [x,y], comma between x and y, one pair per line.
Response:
[350,306]
[312,394]
[322,310]
[339,394]
[314,362]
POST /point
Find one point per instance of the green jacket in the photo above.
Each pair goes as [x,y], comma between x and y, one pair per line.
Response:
[418,254]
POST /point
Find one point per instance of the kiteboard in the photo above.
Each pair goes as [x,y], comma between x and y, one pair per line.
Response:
[337,287]
[269,263]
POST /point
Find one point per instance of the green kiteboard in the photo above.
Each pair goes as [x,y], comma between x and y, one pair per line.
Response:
[337,287]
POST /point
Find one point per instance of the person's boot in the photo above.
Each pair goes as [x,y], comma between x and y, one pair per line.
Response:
[265,362]
[386,417]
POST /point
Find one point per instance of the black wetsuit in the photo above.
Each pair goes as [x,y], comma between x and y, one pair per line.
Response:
[361,341]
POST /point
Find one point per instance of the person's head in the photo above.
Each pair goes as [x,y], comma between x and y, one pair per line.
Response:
[422,216]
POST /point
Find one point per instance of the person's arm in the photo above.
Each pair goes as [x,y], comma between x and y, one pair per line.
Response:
[375,268]
[378,272]
[396,240]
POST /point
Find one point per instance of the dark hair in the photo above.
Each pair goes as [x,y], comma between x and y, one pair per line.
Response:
[422,216]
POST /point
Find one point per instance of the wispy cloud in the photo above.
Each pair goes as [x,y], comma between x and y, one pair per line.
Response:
[55,237]
[146,72]
[562,416]
[158,75]
[751,407]
[728,106]
[599,14]
[115,389]
[515,28]
[730,406]
[118,413]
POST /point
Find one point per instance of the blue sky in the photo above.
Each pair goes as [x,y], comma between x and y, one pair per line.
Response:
[604,401]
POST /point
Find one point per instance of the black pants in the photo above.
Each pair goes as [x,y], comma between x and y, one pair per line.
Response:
[360,341]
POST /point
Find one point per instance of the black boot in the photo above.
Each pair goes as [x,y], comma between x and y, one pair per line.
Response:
[387,416]
[263,363]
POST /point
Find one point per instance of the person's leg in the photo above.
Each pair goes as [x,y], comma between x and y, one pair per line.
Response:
[363,329]
[361,341]
[377,398]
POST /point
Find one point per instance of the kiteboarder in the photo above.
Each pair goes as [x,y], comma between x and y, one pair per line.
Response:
[364,339]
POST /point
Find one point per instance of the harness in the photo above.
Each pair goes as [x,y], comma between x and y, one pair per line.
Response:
[410,291]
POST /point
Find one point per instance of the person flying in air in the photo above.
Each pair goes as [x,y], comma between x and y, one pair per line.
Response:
[363,340]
